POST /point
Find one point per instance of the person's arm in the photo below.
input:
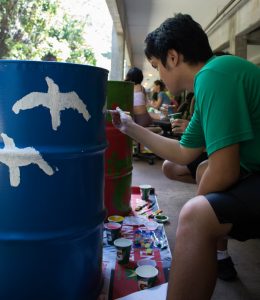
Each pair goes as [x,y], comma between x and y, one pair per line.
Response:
[157,104]
[166,148]
[223,170]
[179,125]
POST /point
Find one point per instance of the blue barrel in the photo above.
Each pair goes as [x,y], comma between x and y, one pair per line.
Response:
[52,143]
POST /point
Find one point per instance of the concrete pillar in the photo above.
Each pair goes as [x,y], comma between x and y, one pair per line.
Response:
[118,56]
[241,46]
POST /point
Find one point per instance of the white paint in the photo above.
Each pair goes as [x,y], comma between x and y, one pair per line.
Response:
[15,158]
[54,100]
[104,110]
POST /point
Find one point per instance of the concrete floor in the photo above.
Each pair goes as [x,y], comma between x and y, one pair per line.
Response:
[171,197]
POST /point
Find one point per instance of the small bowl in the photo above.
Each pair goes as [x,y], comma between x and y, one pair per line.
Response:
[116,219]
[161,218]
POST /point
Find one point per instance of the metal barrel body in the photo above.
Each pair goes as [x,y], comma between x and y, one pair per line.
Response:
[52,144]
[118,155]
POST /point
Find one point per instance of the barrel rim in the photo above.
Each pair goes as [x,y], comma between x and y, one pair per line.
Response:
[121,82]
[10,61]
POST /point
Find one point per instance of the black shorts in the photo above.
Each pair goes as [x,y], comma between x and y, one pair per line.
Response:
[240,206]
[194,164]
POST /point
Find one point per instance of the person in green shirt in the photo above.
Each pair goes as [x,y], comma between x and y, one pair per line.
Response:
[226,122]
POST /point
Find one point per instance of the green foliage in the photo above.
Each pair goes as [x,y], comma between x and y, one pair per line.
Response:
[31,29]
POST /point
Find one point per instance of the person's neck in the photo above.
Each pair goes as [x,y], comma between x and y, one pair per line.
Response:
[138,87]
[191,71]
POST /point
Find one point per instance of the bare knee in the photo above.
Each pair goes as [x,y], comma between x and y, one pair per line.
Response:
[200,170]
[198,220]
[169,169]
[175,171]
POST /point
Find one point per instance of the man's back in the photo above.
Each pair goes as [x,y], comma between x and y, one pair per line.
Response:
[227,93]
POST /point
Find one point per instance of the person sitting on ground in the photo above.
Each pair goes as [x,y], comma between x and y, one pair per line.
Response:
[192,173]
[226,122]
[141,115]
[173,171]
[186,108]
[187,173]
[163,100]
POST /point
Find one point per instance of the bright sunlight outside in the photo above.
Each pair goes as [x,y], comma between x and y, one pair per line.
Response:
[99,29]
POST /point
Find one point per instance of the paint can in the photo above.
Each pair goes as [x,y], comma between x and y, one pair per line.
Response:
[52,126]
[118,155]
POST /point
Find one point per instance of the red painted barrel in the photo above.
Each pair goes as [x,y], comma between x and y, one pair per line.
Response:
[118,155]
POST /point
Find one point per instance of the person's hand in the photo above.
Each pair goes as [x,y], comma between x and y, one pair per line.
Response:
[120,119]
[179,125]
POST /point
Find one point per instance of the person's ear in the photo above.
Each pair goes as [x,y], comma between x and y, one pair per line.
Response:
[173,58]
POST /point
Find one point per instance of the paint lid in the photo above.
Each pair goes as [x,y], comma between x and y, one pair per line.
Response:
[146,262]
[146,271]
[116,218]
[122,242]
[112,225]
[161,218]
[145,186]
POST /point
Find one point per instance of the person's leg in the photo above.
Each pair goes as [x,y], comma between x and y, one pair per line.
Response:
[200,170]
[194,268]
[178,172]
[226,269]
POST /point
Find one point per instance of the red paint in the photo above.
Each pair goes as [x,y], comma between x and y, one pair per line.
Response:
[118,155]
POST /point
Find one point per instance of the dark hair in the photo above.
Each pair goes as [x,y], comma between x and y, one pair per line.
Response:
[134,75]
[220,53]
[189,97]
[182,34]
[160,83]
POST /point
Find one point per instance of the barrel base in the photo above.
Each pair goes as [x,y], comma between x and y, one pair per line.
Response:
[52,270]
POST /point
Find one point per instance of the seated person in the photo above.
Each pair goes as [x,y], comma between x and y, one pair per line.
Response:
[174,102]
[187,107]
[141,115]
[163,100]
[185,173]
[192,173]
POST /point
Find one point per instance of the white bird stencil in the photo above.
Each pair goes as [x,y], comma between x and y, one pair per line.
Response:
[54,100]
[15,158]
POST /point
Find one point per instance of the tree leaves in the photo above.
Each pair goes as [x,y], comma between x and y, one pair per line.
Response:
[30,29]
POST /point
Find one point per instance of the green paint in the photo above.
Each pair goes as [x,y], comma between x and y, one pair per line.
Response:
[119,163]
[117,166]
[130,274]
[119,93]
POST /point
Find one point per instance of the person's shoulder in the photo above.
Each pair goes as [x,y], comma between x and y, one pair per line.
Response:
[230,63]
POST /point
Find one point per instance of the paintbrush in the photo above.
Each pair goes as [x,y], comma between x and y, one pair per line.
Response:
[114,110]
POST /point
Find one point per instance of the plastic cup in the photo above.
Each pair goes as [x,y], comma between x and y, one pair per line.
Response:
[175,116]
[113,231]
[123,249]
[145,190]
[146,276]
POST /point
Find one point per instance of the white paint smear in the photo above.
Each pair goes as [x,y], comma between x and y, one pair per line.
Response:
[104,110]
[15,158]
[54,101]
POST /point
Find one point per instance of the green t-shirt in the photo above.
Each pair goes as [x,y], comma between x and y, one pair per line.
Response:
[227,109]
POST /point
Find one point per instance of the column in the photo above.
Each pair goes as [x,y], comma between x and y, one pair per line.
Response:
[117,59]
